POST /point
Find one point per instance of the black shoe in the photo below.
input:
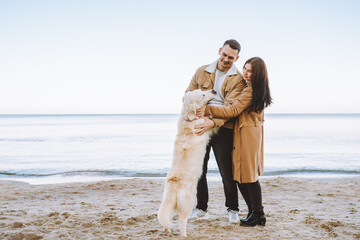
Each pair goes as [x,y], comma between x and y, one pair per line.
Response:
[248,215]
[254,219]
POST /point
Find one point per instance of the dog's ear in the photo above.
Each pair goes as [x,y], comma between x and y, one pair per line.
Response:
[191,112]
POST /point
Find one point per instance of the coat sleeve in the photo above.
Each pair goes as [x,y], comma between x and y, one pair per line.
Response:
[229,99]
[240,104]
[193,85]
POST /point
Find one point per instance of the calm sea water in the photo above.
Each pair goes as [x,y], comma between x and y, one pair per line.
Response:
[60,148]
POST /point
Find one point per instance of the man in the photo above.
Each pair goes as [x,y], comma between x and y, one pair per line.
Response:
[222,76]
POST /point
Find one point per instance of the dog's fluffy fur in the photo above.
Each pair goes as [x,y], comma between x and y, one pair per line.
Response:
[189,151]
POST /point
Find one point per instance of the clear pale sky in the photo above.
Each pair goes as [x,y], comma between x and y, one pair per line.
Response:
[105,56]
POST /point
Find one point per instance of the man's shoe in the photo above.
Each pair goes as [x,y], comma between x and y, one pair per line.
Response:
[233,216]
[197,213]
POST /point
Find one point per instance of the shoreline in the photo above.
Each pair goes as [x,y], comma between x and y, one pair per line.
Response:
[210,177]
[296,208]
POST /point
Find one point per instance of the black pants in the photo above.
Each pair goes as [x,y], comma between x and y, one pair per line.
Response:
[222,145]
[251,193]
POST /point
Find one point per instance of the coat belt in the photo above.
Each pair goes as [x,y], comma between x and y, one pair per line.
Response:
[251,124]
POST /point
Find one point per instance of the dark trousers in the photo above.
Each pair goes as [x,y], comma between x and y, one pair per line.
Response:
[222,145]
[251,193]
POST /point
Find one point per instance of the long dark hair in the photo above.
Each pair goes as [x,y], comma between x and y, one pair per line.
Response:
[260,83]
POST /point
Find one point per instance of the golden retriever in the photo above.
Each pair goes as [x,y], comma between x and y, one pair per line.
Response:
[189,151]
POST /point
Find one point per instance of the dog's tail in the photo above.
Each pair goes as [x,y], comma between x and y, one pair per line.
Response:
[168,205]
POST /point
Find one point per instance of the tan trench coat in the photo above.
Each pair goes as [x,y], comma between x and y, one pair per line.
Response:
[248,153]
[231,88]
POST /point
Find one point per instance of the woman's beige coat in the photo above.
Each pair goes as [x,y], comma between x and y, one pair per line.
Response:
[248,153]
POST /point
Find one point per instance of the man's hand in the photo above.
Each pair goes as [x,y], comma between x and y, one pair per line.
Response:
[204,127]
[201,111]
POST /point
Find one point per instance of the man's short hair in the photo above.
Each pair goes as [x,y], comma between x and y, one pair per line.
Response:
[233,44]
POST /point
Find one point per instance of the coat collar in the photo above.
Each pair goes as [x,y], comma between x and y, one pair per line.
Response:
[212,67]
[248,83]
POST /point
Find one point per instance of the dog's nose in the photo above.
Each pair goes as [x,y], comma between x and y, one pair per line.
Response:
[213,91]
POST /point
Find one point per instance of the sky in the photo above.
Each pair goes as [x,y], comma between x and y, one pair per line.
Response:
[119,57]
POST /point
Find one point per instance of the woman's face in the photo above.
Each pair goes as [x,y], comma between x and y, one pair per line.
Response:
[247,72]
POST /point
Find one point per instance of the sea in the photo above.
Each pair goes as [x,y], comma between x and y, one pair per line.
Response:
[43,149]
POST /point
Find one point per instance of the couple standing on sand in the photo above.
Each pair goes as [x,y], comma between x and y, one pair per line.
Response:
[238,109]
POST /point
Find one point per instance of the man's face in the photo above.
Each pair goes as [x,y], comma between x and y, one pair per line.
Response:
[227,57]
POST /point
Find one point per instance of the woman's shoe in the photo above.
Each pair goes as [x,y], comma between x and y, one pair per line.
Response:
[248,215]
[254,219]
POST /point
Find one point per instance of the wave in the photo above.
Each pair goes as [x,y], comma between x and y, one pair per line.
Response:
[306,171]
[162,173]
[22,139]
[70,139]
[120,173]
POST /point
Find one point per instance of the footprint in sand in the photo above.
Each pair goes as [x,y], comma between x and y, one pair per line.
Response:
[18,225]
[311,220]
[53,214]
[294,211]
[27,236]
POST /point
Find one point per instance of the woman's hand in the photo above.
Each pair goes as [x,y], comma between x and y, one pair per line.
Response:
[201,111]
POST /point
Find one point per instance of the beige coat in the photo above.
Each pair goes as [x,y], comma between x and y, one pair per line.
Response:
[231,88]
[248,153]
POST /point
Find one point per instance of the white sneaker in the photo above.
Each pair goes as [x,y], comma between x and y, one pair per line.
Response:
[233,216]
[197,213]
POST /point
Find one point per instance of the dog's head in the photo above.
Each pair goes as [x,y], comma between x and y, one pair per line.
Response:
[194,100]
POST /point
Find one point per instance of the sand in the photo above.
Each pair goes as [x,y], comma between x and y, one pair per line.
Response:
[296,208]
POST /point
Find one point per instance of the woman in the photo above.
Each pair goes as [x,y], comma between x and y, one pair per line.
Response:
[248,163]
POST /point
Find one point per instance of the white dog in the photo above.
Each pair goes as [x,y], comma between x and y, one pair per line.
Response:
[189,151]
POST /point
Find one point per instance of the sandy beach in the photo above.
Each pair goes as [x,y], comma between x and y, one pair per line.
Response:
[296,208]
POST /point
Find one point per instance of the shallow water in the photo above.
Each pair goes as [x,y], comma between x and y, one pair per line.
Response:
[75,147]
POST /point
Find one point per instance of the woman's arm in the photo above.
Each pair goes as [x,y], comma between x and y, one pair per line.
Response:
[240,104]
